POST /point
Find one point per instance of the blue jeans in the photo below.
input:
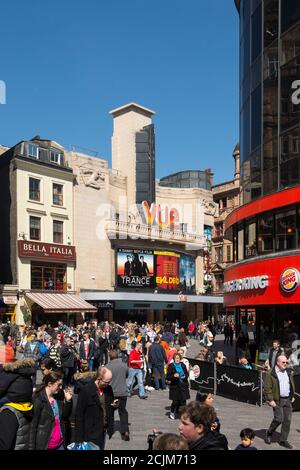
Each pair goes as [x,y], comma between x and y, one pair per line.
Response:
[138,373]
[159,369]
[91,364]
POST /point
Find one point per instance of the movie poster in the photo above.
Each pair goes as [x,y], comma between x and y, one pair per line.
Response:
[167,271]
[187,270]
[135,268]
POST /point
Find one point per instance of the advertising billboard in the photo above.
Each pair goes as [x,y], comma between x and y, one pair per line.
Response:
[167,271]
[135,268]
[187,271]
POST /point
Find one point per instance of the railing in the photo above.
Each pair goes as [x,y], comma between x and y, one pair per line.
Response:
[135,231]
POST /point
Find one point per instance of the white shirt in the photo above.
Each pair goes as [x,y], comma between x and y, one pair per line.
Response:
[284,382]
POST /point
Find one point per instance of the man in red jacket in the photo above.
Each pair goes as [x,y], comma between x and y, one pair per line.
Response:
[136,366]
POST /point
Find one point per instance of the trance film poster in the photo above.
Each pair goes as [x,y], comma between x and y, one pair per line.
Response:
[187,269]
[167,271]
[135,268]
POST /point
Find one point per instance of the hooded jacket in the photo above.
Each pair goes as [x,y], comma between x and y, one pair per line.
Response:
[16,394]
[15,380]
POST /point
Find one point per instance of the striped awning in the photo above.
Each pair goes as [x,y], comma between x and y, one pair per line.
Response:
[60,302]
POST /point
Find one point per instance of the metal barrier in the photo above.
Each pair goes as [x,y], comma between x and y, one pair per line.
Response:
[233,382]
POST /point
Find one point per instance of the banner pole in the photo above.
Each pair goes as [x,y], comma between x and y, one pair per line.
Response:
[215,378]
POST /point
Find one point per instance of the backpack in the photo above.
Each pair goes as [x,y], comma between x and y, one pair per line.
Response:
[122,344]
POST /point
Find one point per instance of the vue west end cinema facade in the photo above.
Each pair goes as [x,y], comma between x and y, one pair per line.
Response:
[128,247]
[264,280]
[141,248]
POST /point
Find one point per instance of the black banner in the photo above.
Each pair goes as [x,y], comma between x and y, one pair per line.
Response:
[202,375]
[239,384]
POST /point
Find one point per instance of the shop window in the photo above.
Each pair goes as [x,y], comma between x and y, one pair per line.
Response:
[286,235]
[58,194]
[35,228]
[58,231]
[250,239]
[265,233]
[34,189]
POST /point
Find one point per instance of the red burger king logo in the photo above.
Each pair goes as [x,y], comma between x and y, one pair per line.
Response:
[289,279]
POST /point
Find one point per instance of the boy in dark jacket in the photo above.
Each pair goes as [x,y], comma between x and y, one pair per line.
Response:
[247,436]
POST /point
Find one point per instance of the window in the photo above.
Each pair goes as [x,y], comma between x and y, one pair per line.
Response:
[250,239]
[286,235]
[265,233]
[290,11]
[58,194]
[33,151]
[55,156]
[256,33]
[219,230]
[219,254]
[58,231]
[228,250]
[270,21]
[34,189]
[256,112]
[35,228]
[240,243]
[183,228]
[48,276]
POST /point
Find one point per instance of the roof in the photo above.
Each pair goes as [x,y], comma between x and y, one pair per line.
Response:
[60,302]
[132,107]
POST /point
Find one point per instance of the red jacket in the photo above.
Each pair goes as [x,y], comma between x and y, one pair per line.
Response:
[135,356]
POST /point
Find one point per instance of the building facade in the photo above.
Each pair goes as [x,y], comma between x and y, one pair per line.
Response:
[140,246]
[262,285]
[37,254]
[227,196]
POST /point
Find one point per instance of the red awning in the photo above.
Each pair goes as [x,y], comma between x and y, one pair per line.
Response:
[60,303]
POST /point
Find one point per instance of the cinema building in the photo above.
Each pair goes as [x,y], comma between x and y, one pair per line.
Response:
[141,247]
[37,252]
[263,283]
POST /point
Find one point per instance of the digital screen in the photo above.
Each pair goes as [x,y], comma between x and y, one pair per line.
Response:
[167,271]
[135,268]
[187,270]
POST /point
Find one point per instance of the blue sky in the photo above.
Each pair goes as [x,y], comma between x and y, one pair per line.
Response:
[67,63]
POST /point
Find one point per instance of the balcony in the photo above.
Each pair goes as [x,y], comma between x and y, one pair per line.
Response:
[122,230]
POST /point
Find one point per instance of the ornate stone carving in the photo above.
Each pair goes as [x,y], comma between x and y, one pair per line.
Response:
[92,177]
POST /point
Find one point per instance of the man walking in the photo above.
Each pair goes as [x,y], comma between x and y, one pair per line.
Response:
[94,411]
[157,359]
[136,364]
[119,372]
[280,390]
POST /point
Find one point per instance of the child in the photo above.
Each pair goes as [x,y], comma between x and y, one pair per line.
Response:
[247,436]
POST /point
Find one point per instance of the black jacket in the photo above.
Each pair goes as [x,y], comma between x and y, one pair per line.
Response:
[15,380]
[179,391]
[43,420]
[209,441]
[92,350]
[279,353]
[90,425]
[67,356]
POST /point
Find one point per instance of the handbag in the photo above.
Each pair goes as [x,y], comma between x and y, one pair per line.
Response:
[82,446]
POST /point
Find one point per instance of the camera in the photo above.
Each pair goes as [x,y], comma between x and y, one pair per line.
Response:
[151,438]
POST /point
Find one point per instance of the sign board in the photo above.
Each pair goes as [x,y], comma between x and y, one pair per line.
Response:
[10,299]
[46,251]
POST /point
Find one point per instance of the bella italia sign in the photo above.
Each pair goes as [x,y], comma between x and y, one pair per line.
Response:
[48,251]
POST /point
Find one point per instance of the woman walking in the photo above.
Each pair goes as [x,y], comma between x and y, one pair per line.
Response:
[50,414]
[177,376]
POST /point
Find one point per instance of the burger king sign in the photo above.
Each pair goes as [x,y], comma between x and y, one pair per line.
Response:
[289,280]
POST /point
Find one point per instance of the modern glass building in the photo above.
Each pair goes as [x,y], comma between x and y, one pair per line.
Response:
[266,228]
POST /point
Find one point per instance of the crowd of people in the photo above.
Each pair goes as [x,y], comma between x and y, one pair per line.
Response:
[89,371]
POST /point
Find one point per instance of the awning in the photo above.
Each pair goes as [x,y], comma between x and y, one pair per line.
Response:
[60,303]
